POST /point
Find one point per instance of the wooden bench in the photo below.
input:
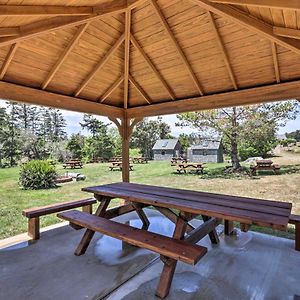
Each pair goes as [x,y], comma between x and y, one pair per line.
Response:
[265,165]
[73,164]
[118,166]
[183,168]
[166,246]
[34,214]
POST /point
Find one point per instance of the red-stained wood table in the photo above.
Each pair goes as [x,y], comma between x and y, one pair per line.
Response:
[190,204]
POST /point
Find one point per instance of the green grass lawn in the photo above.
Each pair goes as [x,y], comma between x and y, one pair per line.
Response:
[13,199]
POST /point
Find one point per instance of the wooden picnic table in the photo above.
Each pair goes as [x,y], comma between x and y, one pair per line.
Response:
[117,165]
[191,167]
[266,165]
[190,204]
[73,164]
[176,160]
[139,160]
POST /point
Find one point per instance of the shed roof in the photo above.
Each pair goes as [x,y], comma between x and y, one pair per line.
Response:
[149,56]
[167,144]
[207,144]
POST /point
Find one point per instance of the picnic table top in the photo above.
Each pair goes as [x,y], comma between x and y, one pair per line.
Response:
[273,214]
[264,162]
[187,164]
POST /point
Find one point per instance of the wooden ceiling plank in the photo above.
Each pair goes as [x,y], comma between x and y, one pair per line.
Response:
[65,54]
[15,92]
[9,31]
[223,50]
[256,95]
[111,89]
[8,60]
[280,4]
[249,22]
[287,32]
[140,90]
[44,10]
[176,45]
[275,61]
[152,67]
[99,65]
[127,57]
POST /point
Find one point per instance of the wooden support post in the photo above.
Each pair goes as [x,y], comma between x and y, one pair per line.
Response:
[88,208]
[125,150]
[214,238]
[170,264]
[297,236]
[228,227]
[88,235]
[34,228]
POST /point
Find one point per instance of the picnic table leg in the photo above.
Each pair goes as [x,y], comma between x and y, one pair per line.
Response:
[141,215]
[228,227]
[214,238]
[168,271]
[297,236]
[88,235]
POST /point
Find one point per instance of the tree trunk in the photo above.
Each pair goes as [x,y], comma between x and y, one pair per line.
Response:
[234,142]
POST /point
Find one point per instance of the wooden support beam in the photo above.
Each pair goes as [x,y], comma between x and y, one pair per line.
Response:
[222,49]
[125,148]
[8,60]
[287,32]
[9,31]
[140,89]
[44,10]
[111,89]
[65,54]
[152,67]
[256,95]
[15,92]
[127,57]
[51,24]
[176,46]
[280,4]
[99,65]
[251,23]
[275,61]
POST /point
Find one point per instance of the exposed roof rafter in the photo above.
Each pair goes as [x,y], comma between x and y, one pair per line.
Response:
[65,54]
[281,4]
[287,32]
[249,22]
[140,90]
[176,46]
[111,89]
[152,67]
[99,65]
[9,31]
[223,50]
[8,60]
[127,57]
[275,61]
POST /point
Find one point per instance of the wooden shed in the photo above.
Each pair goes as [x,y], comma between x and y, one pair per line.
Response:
[166,149]
[129,59]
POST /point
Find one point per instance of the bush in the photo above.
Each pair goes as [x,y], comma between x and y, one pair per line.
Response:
[37,174]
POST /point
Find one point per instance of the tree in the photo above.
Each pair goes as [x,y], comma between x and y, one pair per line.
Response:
[58,125]
[294,135]
[91,124]
[146,133]
[237,125]
[75,145]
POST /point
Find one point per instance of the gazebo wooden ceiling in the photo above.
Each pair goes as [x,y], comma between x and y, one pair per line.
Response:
[140,58]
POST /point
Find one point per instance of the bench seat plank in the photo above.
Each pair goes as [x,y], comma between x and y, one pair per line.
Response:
[56,207]
[176,249]
[205,205]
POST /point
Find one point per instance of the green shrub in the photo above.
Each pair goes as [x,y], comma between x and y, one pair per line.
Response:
[37,174]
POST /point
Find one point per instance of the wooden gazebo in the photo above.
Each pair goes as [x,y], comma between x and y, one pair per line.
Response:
[128,59]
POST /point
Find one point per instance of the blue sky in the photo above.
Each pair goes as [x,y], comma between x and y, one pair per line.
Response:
[73,119]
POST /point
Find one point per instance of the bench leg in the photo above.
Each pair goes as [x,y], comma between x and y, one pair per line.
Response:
[142,216]
[34,228]
[88,235]
[214,238]
[168,271]
[297,237]
[228,227]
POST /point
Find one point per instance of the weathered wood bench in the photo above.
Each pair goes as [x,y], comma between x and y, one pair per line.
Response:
[34,214]
[196,168]
[166,246]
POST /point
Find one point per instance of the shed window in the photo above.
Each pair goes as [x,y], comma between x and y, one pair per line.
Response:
[165,144]
[163,152]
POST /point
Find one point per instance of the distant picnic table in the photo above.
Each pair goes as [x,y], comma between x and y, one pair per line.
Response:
[117,165]
[139,160]
[73,164]
[191,167]
[177,160]
[265,165]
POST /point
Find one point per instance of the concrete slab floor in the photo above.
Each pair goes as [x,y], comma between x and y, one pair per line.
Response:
[246,266]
